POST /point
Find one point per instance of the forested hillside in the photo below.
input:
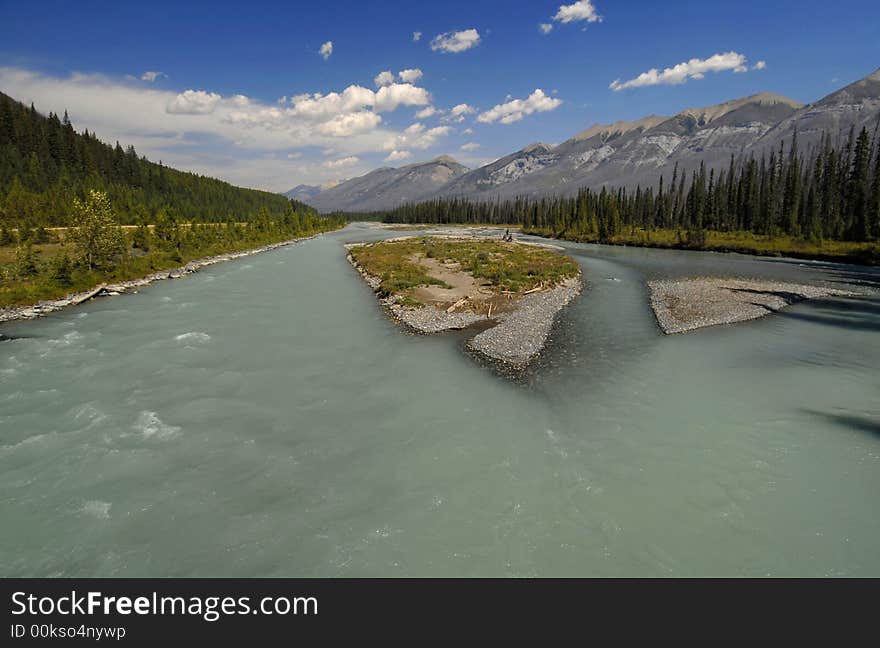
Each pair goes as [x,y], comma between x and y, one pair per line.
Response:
[52,176]
[45,164]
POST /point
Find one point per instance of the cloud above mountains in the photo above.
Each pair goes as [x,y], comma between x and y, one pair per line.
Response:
[416,136]
[695,69]
[351,160]
[397,156]
[515,109]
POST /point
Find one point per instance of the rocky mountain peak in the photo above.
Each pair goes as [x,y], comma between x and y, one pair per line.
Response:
[537,147]
[711,113]
[620,127]
[446,159]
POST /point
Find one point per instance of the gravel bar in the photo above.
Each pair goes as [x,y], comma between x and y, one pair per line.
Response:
[522,333]
[683,305]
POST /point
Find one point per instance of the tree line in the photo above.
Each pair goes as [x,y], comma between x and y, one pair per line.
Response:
[825,193]
[45,164]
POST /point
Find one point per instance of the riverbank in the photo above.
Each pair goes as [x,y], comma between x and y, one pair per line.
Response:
[689,304]
[739,242]
[45,307]
[447,286]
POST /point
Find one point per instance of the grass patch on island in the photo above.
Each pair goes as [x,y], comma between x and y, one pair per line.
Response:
[513,267]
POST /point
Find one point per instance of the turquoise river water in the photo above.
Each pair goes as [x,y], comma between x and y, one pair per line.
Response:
[263,417]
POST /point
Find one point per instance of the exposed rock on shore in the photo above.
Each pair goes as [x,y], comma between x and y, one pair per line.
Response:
[688,304]
[45,307]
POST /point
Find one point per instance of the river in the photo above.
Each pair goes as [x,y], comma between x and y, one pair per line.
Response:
[263,417]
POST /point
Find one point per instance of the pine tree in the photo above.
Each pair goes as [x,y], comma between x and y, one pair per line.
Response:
[857,189]
[874,202]
[62,270]
[26,263]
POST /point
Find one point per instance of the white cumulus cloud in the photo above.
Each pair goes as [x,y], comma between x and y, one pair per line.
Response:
[410,75]
[470,146]
[581,10]
[417,136]
[384,78]
[396,156]
[356,98]
[515,109]
[152,75]
[546,28]
[417,36]
[457,113]
[348,124]
[193,102]
[326,50]
[400,94]
[424,113]
[351,160]
[455,41]
[760,65]
[678,74]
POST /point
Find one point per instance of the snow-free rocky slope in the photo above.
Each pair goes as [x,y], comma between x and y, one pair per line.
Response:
[303,193]
[623,154]
[388,187]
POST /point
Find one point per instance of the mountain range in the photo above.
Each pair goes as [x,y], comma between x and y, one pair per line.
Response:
[622,154]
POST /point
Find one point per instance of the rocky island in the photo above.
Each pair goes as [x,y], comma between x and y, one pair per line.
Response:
[511,290]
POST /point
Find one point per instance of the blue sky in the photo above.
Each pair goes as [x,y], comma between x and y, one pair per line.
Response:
[214,106]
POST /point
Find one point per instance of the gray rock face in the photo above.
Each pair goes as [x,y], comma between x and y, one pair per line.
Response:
[502,172]
[857,105]
[386,187]
[623,154]
[303,193]
[638,153]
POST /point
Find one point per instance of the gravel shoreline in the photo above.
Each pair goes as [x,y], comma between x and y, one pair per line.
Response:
[684,305]
[520,335]
[43,308]
[516,339]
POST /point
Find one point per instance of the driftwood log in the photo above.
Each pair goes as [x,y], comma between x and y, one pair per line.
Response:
[87,296]
[460,302]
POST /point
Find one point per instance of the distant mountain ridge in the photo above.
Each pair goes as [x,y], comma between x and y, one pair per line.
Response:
[388,187]
[622,154]
[303,192]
